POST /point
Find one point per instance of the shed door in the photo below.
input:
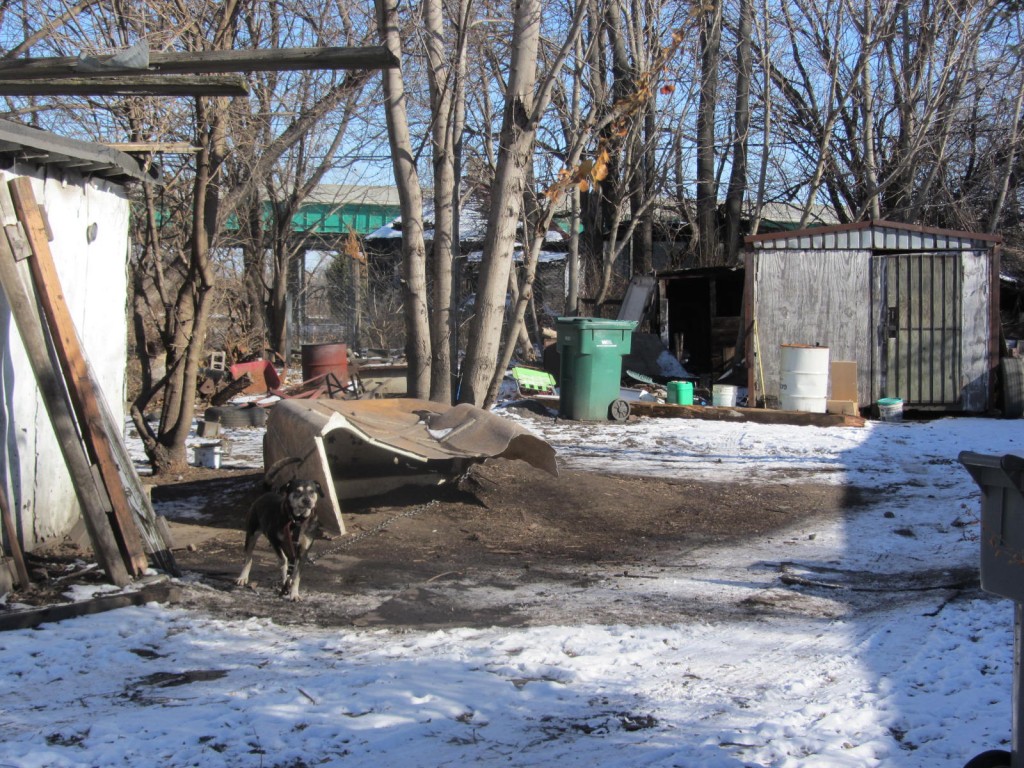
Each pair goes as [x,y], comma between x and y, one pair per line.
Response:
[920,328]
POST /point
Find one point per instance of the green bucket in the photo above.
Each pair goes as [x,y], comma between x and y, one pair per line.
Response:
[680,392]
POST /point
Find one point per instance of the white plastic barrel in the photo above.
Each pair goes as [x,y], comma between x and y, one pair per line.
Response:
[804,385]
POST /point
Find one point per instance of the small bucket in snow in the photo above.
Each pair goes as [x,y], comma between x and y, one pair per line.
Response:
[890,409]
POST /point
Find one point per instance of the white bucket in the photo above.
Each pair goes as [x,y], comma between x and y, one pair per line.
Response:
[723,394]
[208,456]
[890,409]
[804,385]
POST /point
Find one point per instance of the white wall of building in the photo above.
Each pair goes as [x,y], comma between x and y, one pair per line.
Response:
[94,280]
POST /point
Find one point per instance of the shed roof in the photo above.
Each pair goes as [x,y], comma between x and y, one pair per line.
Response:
[874,235]
[22,144]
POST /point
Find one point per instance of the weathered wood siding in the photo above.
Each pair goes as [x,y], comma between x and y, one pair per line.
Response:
[819,297]
[913,306]
[977,331]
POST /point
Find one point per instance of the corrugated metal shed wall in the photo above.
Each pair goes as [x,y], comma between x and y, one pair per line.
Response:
[873,237]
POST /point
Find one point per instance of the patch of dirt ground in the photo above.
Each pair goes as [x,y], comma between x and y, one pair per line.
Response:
[495,549]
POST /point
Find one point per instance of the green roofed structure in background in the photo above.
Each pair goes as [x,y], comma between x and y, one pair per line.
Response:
[333,210]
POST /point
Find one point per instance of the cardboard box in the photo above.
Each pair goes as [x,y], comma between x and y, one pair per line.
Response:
[842,407]
[843,378]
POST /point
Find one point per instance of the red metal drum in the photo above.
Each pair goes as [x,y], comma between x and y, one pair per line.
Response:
[320,359]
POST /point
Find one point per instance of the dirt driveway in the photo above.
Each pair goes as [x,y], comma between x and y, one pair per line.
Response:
[509,546]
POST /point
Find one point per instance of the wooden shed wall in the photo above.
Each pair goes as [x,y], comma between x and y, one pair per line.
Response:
[975,350]
[817,297]
[836,298]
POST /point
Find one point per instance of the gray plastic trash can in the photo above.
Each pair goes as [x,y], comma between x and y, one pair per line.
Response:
[1001,480]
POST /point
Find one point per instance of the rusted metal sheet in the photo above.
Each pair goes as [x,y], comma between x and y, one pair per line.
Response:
[358,448]
[262,375]
[324,385]
[382,380]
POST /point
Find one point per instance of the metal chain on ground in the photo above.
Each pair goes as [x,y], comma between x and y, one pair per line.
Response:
[348,541]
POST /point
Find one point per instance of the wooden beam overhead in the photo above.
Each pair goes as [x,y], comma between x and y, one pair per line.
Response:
[169,147]
[129,85]
[207,62]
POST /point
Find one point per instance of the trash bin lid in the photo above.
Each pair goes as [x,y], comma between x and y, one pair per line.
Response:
[598,323]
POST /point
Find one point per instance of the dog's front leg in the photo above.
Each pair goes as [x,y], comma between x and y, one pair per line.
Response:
[243,577]
[250,546]
[285,576]
[293,582]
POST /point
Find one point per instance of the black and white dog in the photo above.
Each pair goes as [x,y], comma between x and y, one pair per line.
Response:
[288,520]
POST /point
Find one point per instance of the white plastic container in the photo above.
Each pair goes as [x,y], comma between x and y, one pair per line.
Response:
[208,456]
[890,409]
[723,394]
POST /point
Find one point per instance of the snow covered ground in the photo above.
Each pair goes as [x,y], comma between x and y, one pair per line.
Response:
[877,677]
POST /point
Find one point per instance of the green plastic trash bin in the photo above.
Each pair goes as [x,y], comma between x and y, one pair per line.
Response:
[591,351]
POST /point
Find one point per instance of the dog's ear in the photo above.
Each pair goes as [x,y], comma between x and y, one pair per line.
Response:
[319,488]
[287,487]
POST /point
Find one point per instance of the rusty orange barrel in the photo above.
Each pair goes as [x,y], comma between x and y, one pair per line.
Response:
[320,359]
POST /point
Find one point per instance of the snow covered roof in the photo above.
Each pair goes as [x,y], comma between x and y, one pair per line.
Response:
[792,213]
[472,224]
[472,228]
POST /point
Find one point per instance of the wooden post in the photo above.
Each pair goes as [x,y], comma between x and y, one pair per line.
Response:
[12,539]
[54,398]
[101,437]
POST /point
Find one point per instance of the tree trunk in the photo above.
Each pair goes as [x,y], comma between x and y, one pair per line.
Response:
[417,325]
[514,155]
[445,94]
[868,116]
[707,188]
[738,174]
[192,308]
[572,299]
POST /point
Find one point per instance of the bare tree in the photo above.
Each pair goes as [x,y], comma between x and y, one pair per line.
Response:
[181,237]
[525,103]
[447,77]
[514,152]
[741,127]
[707,186]
[417,344]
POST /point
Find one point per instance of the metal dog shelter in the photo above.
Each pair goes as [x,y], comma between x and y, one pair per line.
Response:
[917,308]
